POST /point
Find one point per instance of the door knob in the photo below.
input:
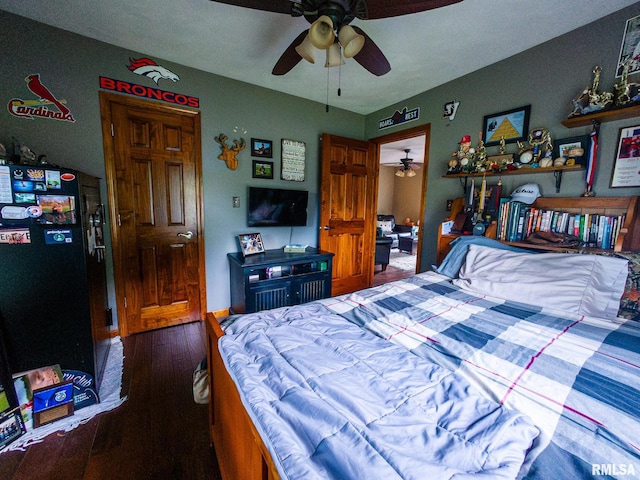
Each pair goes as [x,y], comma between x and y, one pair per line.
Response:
[187,235]
[326,227]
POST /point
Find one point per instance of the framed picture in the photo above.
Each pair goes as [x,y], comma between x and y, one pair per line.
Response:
[626,167]
[293,160]
[630,42]
[251,243]
[261,148]
[512,125]
[562,148]
[262,169]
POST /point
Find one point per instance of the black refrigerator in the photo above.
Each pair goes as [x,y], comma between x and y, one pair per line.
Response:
[53,302]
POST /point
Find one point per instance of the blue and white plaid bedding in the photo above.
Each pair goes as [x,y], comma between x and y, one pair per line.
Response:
[577,378]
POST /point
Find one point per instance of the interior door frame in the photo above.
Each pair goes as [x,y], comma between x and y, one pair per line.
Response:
[111,179]
[419,130]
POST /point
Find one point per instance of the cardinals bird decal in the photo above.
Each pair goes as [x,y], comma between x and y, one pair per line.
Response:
[148,68]
[43,93]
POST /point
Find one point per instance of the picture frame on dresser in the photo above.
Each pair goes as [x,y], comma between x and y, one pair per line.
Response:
[251,243]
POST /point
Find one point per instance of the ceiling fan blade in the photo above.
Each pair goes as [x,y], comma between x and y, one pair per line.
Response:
[277,6]
[384,9]
[371,57]
[290,57]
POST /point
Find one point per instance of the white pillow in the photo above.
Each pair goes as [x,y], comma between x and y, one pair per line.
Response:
[584,284]
[385,226]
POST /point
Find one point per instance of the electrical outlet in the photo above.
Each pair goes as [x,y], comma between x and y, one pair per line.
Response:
[235,201]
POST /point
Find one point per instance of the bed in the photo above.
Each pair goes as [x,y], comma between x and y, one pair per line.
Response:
[488,368]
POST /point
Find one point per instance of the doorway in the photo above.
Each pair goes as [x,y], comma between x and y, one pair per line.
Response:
[401,190]
[153,167]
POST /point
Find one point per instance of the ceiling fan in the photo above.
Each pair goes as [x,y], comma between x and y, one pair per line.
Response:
[330,29]
[408,166]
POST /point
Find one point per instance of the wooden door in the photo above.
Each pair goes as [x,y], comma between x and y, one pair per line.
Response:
[153,161]
[347,208]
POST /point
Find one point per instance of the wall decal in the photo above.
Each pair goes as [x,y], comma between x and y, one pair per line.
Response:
[121,86]
[148,68]
[31,109]
[399,117]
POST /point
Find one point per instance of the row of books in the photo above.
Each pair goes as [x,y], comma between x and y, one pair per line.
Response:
[516,221]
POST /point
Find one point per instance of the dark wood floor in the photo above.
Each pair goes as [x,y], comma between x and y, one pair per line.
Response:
[158,433]
[390,274]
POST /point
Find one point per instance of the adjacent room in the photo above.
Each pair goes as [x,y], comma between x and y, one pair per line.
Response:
[340,239]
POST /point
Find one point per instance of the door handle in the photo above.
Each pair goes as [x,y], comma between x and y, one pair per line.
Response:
[325,227]
[187,235]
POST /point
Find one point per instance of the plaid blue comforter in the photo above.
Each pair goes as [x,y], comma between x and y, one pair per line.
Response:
[577,378]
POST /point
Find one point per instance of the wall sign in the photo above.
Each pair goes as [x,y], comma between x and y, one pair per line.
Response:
[41,107]
[293,160]
[399,117]
[128,88]
[148,68]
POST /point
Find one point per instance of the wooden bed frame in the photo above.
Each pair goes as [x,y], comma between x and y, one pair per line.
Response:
[239,449]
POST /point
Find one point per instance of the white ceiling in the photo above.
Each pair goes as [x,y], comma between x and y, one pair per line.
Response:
[425,49]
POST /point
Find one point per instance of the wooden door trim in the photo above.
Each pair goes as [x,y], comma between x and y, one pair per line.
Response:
[106,99]
[401,135]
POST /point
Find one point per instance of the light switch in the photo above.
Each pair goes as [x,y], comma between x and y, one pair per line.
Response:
[236,201]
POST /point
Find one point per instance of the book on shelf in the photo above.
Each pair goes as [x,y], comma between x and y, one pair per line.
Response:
[516,221]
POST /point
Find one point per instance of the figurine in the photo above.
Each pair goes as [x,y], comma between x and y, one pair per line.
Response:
[591,100]
[465,154]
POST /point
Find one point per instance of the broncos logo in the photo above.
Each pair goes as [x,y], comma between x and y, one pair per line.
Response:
[149,68]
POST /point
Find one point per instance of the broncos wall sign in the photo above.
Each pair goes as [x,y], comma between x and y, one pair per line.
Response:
[31,109]
[146,67]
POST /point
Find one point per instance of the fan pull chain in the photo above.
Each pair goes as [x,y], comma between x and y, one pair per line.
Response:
[339,78]
[326,108]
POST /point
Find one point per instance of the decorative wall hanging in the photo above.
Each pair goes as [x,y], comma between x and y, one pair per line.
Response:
[630,48]
[449,109]
[229,154]
[31,109]
[293,160]
[399,117]
[626,167]
[261,148]
[262,169]
[148,68]
[142,91]
[510,126]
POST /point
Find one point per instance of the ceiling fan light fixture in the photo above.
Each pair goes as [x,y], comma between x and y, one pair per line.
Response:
[321,33]
[351,41]
[399,173]
[410,173]
[334,56]
[306,50]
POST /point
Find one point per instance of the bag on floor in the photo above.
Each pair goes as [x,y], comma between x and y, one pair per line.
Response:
[201,383]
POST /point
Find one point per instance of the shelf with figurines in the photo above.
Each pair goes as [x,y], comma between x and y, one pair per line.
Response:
[539,156]
[593,106]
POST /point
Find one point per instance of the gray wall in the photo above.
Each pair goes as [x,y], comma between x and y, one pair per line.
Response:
[70,65]
[546,77]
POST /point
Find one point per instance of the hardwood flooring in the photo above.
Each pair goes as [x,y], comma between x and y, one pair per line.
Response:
[390,274]
[158,433]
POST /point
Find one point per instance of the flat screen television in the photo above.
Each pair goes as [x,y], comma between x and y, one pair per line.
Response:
[274,207]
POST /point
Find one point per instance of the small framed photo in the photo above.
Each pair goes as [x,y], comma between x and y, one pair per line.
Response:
[626,166]
[262,169]
[511,125]
[12,426]
[569,147]
[251,243]
[261,148]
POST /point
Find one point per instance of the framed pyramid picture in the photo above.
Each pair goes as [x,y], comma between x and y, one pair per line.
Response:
[512,126]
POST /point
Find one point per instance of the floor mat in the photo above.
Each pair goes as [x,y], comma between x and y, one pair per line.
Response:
[402,260]
[109,399]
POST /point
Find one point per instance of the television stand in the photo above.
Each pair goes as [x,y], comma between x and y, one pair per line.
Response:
[276,278]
